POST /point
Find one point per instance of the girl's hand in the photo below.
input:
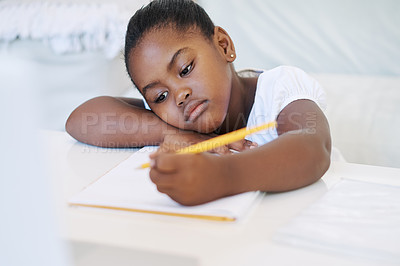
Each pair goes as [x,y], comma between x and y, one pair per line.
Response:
[174,142]
[190,179]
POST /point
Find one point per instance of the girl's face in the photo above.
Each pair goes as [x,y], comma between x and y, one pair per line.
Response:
[184,77]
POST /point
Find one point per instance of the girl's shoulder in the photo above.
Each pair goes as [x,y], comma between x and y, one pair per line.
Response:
[278,87]
[250,72]
[279,73]
[286,77]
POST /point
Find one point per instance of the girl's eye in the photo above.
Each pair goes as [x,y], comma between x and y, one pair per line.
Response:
[161,97]
[187,70]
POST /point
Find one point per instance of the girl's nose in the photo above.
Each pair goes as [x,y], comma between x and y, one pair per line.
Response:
[183,95]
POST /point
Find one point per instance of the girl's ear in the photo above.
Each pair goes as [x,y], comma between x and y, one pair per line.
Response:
[224,43]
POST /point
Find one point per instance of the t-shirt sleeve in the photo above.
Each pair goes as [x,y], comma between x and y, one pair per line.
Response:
[277,88]
[294,84]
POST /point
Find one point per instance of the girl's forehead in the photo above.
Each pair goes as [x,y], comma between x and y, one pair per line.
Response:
[157,44]
[168,40]
[170,34]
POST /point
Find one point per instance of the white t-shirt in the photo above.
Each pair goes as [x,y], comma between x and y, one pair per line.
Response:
[276,88]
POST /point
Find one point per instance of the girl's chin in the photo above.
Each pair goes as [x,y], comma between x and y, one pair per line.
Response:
[205,124]
[207,128]
[201,129]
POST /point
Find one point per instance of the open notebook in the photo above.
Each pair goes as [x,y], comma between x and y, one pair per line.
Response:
[130,189]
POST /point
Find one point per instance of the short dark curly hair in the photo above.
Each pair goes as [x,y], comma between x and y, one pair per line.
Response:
[181,14]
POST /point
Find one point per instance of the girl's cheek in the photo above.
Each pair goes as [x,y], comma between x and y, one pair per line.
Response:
[172,119]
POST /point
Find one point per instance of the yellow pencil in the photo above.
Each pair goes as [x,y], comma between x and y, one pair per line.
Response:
[220,140]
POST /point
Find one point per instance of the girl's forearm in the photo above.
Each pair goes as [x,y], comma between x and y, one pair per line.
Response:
[111,122]
[292,161]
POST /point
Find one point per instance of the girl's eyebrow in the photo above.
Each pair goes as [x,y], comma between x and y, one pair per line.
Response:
[149,86]
[175,56]
[170,65]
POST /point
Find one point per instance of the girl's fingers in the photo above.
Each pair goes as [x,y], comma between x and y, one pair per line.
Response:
[242,145]
[164,158]
[164,162]
[159,178]
[223,150]
[164,189]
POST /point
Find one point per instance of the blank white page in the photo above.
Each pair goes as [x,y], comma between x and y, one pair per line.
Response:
[127,188]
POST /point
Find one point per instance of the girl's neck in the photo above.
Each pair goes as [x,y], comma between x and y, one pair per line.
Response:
[241,101]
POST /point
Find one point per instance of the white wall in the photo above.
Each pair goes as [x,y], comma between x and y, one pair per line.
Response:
[320,36]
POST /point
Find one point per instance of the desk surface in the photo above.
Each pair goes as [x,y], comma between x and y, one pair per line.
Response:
[248,242]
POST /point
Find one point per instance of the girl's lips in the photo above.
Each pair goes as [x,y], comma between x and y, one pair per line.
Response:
[194,109]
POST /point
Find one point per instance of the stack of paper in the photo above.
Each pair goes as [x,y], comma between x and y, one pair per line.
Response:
[127,188]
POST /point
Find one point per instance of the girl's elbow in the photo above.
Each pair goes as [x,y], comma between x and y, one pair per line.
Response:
[71,126]
[325,163]
[84,115]
[323,159]
[75,126]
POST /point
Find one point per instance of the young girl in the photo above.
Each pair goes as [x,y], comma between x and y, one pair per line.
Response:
[182,65]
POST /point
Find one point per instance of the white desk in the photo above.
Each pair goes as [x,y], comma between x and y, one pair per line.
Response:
[183,241]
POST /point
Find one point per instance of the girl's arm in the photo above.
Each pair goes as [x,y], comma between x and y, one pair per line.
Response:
[124,122]
[297,158]
[116,122]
